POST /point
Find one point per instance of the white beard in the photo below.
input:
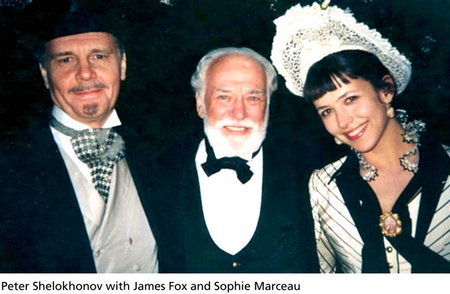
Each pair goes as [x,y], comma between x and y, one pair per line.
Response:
[226,147]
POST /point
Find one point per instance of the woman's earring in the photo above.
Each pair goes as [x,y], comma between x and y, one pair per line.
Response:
[391,112]
[339,142]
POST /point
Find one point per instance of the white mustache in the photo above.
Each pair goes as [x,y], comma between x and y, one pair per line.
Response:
[247,123]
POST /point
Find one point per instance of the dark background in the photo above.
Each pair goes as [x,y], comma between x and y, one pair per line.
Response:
[164,43]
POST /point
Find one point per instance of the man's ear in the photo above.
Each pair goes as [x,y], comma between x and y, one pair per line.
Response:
[388,92]
[199,102]
[44,74]
[123,67]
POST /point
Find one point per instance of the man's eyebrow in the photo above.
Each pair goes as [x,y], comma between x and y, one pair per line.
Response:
[257,92]
[222,90]
[102,50]
[95,50]
[60,54]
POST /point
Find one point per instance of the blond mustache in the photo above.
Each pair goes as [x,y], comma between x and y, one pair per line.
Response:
[87,87]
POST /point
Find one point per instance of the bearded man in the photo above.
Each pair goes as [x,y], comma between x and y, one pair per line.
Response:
[233,201]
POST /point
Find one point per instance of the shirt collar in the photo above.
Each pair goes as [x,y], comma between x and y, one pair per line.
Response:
[112,121]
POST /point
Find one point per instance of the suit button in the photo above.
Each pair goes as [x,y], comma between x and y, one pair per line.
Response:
[236,264]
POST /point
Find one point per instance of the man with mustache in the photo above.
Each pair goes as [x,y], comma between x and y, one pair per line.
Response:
[233,201]
[71,196]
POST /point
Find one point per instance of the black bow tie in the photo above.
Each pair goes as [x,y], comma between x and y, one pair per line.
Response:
[214,165]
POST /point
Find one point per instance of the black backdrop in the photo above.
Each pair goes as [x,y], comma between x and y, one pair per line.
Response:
[164,43]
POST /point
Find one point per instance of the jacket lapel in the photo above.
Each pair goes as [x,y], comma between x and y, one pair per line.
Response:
[57,231]
[434,168]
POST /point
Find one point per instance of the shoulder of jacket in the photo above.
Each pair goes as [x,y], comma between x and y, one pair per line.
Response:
[326,173]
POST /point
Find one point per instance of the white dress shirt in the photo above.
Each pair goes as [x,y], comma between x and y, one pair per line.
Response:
[231,209]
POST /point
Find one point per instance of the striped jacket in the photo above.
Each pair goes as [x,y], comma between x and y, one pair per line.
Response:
[339,241]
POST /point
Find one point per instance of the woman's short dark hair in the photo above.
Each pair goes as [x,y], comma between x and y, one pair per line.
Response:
[342,65]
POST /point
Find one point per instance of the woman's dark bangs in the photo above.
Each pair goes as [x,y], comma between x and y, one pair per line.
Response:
[321,80]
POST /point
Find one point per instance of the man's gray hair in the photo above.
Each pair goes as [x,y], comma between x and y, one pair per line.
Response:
[198,79]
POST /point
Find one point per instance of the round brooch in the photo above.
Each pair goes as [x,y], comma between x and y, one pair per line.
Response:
[390,224]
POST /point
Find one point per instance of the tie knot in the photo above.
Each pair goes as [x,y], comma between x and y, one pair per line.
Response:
[92,145]
[99,149]
[232,162]
[98,144]
[214,165]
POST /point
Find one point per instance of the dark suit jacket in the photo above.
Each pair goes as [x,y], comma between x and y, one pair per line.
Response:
[283,240]
[41,226]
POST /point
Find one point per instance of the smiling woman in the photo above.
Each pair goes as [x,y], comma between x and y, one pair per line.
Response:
[385,206]
[352,90]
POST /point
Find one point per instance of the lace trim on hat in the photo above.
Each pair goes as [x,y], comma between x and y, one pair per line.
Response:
[307,34]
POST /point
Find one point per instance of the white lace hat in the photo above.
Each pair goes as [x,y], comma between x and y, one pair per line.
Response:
[305,35]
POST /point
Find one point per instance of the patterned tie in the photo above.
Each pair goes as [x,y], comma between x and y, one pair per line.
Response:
[214,165]
[100,149]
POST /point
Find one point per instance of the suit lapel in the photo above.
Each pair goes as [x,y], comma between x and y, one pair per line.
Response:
[434,168]
[60,233]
